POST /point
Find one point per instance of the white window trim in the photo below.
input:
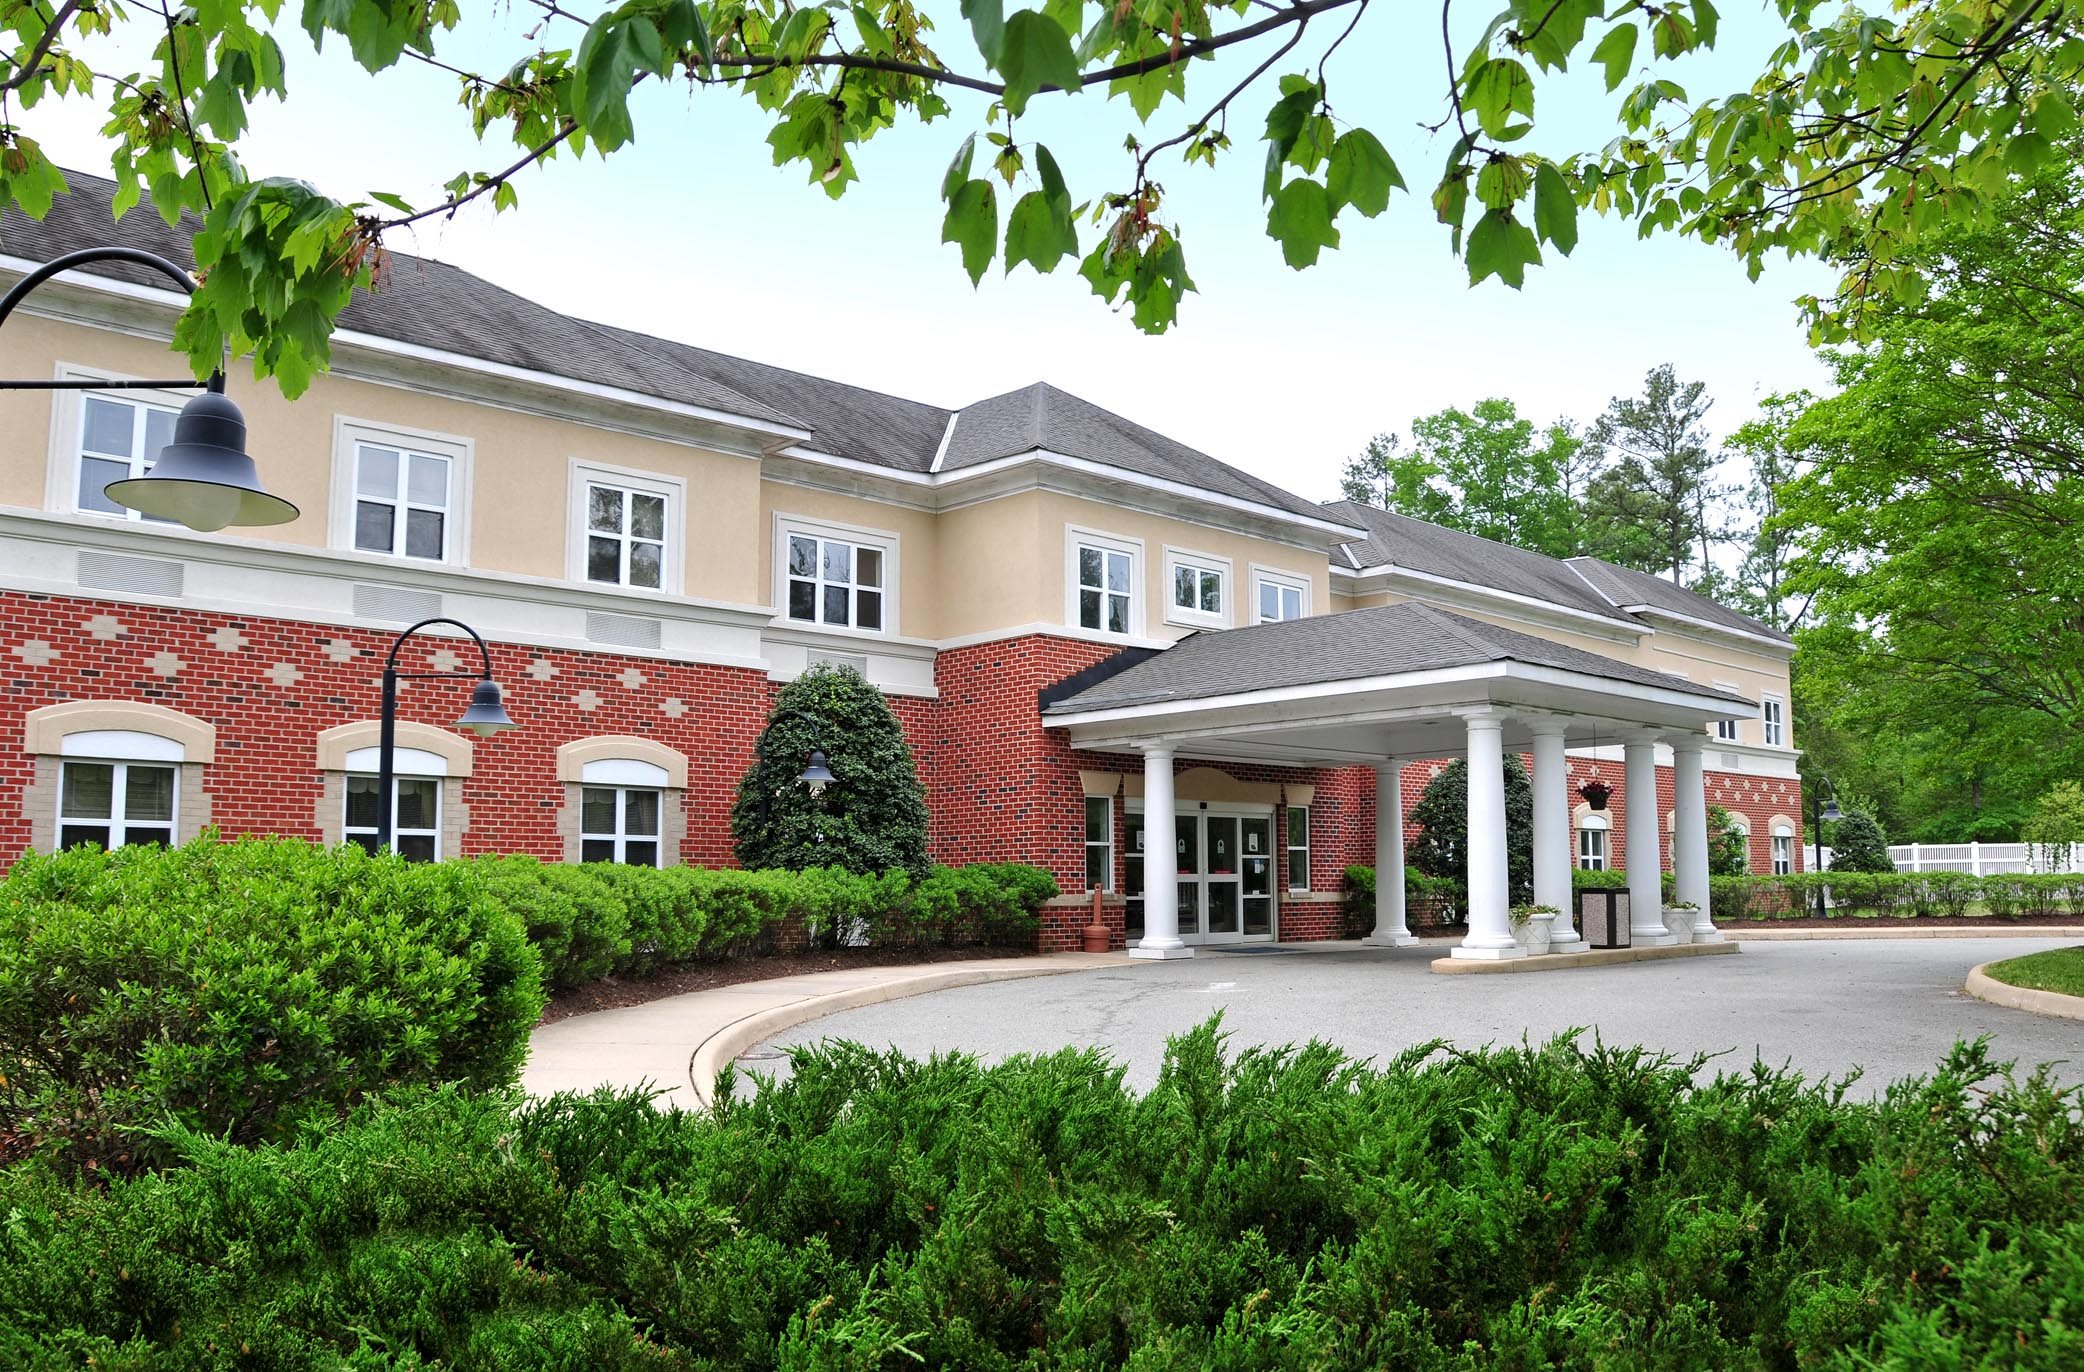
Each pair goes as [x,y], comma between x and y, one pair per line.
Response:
[119,786]
[1275,576]
[1075,536]
[1289,848]
[1604,827]
[1107,843]
[1783,843]
[621,836]
[348,434]
[1766,723]
[1200,562]
[885,541]
[68,414]
[348,831]
[673,488]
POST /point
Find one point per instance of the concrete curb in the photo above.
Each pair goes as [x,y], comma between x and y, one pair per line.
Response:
[1591,957]
[1983,986]
[1895,930]
[723,1045]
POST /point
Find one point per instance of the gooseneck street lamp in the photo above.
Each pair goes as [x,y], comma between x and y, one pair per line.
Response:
[204,478]
[485,717]
[1822,810]
[816,774]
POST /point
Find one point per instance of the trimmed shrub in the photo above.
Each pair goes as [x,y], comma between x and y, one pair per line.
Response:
[1857,845]
[246,989]
[1428,901]
[1442,816]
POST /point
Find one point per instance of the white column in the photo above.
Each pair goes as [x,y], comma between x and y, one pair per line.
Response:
[1690,834]
[1490,921]
[1160,862]
[1644,860]
[1552,829]
[1391,930]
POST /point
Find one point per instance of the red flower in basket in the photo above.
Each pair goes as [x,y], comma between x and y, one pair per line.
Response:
[1595,793]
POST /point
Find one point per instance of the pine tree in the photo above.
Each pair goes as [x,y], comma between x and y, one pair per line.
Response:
[1651,508]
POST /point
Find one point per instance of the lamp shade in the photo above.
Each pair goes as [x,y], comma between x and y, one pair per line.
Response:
[1831,813]
[817,775]
[204,478]
[486,715]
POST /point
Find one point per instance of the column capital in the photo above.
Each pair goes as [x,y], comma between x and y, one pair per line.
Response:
[1638,737]
[1546,726]
[1687,743]
[1154,749]
[1483,719]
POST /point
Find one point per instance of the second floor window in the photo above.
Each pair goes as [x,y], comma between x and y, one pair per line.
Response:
[1726,730]
[1104,580]
[1197,591]
[401,502]
[832,581]
[1776,722]
[1279,600]
[625,536]
[119,439]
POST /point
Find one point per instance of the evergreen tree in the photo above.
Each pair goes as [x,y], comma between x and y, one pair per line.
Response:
[1366,479]
[1857,845]
[1652,508]
[1442,814]
[872,818]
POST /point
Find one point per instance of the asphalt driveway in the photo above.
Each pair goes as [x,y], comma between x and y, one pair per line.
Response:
[1889,1006]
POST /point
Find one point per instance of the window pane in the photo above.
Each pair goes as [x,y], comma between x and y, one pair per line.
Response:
[1095,867]
[836,604]
[1298,826]
[362,809]
[417,802]
[423,533]
[1212,592]
[148,833]
[640,813]
[1269,601]
[1089,609]
[415,847]
[803,556]
[1096,819]
[428,481]
[868,566]
[603,559]
[640,853]
[377,473]
[96,473]
[107,427]
[366,842]
[838,562]
[597,850]
[1117,614]
[597,810]
[159,431]
[89,789]
[1118,571]
[1291,603]
[73,835]
[1298,869]
[373,526]
[604,509]
[648,516]
[148,794]
[803,600]
[646,564]
[868,609]
[1088,566]
[1183,587]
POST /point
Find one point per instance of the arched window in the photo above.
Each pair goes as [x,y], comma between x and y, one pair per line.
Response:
[428,816]
[1593,850]
[111,773]
[1783,832]
[623,801]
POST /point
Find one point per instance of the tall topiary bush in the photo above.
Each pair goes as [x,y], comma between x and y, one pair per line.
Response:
[1858,845]
[1442,814]
[872,818]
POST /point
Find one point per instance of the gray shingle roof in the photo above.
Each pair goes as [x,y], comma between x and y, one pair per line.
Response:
[1428,548]
[1626,586]
[1389,640]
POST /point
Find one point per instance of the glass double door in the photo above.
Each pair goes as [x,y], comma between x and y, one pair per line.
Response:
[1225,861]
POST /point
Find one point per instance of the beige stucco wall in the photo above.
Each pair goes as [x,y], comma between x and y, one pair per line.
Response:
[520,477]
[989,574]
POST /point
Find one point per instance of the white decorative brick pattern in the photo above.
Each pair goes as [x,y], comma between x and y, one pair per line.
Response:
[338,649]
[443,660]
[284,674]
[165,664]
[36,652]
[105,627]
[674,707]
[227,639]
[587,700]
[540,669]
[633,679]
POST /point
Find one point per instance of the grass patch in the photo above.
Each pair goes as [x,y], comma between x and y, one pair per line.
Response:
[2059,969]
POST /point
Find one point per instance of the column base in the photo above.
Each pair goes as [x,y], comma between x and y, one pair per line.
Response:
[1402,938]
[1511,950]
[1572,940]
[1143,950]
[1663,938]
[1711,936]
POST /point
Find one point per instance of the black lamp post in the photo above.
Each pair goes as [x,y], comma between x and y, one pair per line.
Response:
[816,774]
[485,717]
[1822,810]
[203,478]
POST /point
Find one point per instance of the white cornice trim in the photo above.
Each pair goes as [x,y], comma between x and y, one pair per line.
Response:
[1714,630]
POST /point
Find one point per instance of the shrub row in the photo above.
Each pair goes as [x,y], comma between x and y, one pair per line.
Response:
[1427,900]
[1899,895]
[1554,1206]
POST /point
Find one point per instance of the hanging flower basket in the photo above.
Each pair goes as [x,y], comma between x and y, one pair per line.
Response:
[1596,793]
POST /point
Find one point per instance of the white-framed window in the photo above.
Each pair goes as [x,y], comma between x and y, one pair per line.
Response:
[1197,589]
[619,824]
[1591,843]
[1277,596]
[112,804]
[1099,843]
[626,528]
[399,492]
[1774,714]
[1101,582]
[835,581]
[120,437]
[415,815]
[1298,847]
[1783,850]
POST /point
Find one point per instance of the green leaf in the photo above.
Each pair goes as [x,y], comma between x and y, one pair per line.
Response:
[1555,208]
[958,167]
[1705,22]
[1503,247]
[1039,231]
[394,201]
[1616,52]
[973,224]
[1299,219]
[1496,91]
[1284,122]
[1361,173]
[1034,53]
[987,26]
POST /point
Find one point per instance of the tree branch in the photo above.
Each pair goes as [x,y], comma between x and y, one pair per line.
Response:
[41,48]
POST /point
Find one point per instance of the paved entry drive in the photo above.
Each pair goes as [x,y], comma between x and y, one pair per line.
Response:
[1890,1005]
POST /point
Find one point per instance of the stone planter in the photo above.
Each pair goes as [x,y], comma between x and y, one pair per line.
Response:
[1678,920]
[1533,935]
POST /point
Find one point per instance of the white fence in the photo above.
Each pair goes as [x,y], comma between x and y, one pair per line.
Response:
[1988,859]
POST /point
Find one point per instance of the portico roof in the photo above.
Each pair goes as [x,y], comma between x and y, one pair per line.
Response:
[1365,684]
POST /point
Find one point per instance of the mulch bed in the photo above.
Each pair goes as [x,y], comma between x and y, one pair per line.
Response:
[610,993]
[1905,922]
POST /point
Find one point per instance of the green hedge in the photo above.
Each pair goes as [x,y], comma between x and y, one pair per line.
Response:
[1565,1206]
[248,989]
[1898,895]
[1418,887]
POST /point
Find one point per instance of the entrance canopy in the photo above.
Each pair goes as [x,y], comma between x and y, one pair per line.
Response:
[1380,687]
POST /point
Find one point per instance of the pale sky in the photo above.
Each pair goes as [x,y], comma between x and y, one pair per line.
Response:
[692,234]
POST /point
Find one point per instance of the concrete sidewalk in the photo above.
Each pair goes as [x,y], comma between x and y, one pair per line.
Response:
[682,1042]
